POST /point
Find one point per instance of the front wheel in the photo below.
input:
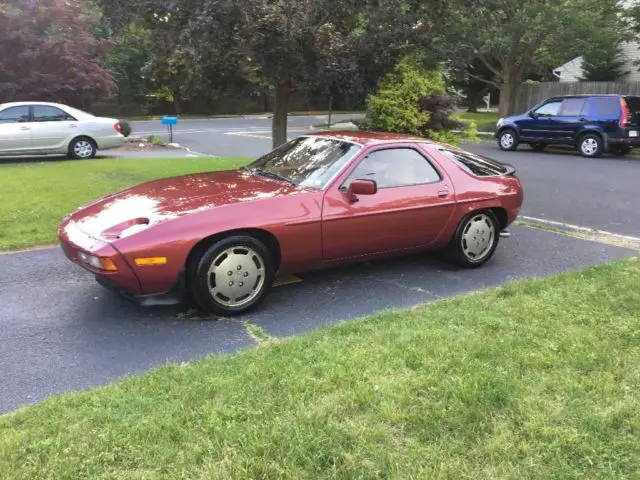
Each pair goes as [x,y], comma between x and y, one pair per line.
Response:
[507,140]
[476,239]
[82,148]
[232,276]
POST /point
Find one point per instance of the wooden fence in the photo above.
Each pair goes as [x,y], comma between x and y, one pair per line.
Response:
[532,93]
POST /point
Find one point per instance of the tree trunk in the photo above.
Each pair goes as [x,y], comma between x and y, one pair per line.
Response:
[280,111]
[473,95]
[509,93]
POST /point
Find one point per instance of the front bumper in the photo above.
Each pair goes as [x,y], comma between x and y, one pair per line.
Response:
[173,297]
[73,241]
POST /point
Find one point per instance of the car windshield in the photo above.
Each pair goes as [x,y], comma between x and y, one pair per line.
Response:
[305,161]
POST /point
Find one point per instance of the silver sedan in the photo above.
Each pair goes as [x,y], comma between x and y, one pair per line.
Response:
[38,128]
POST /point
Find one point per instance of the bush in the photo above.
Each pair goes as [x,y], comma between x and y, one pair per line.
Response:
[395,107]
[125,128]
[412,99]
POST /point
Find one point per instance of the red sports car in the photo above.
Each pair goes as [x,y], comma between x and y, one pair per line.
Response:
[318,200]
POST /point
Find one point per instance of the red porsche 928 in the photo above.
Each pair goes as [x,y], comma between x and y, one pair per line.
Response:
[318,200]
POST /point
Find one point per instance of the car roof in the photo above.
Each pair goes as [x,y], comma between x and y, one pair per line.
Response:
[27,104]
[368,138]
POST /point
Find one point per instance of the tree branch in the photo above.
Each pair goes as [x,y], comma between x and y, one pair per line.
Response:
[486,63]
[490,82]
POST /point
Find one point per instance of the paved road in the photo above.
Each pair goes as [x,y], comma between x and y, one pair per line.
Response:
[60,331]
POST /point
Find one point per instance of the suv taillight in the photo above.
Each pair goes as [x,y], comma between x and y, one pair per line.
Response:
[117,128]
[624,119]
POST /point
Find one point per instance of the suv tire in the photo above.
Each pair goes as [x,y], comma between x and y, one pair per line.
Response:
[590,145]
[508,140]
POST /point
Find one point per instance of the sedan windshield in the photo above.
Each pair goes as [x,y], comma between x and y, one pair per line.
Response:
[305,161]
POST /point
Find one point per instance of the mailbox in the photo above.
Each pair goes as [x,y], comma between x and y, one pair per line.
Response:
[169,120]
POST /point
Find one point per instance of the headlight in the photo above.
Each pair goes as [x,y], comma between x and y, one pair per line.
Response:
[500,123]
[98,262]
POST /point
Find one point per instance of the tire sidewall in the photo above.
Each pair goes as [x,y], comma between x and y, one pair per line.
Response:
[597,138]
[72,145]
[199,287]
[511,132]
[456,247]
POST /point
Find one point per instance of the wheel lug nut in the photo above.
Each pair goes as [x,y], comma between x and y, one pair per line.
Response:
[245,274]
[231,284]
[239,267]
[241,284]
[229,273]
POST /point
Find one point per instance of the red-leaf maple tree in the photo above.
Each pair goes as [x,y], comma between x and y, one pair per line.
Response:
[48,53]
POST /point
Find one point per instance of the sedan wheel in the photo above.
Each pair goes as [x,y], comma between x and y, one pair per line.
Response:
[233,276]
[476,239]
[82,148]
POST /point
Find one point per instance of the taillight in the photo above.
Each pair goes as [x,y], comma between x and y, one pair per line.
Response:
[624,119]
[117,128]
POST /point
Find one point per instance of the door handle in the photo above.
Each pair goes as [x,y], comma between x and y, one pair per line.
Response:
[73,125]
[25,128]
[443,193]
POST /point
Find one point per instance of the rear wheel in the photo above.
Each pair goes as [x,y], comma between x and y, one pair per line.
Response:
[590,145]
[476,239]
[620,150]
[232,276]
[82,148]
[507,140]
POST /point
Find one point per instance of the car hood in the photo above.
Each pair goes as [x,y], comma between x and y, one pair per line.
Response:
[161,200]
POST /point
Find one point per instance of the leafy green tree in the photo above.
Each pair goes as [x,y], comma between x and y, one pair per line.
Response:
[515,39]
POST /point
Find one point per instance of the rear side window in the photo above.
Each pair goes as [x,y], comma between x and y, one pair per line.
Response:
[604,106]
[15,115]
[477,165]
[46,113]
[572,107]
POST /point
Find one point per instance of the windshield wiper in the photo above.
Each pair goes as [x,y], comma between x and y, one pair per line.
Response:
[274,176]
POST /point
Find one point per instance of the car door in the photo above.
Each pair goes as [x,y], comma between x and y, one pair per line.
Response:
[52,127]
[413,204]
[570,119]
[542,124]
[15,130]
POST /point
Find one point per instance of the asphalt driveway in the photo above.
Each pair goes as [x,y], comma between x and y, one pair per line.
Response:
[61,331]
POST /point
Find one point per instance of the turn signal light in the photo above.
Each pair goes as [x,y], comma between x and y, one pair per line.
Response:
[145,262]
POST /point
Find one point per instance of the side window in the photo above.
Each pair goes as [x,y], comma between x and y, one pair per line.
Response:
[45,113]
[396,167]
[549,109]
[604,106]
[572,107]
[15,115]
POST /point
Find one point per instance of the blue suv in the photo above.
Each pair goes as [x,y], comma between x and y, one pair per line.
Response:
[594,124]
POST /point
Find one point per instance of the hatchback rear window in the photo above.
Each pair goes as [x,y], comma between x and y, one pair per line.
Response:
[605,106]
[477,165]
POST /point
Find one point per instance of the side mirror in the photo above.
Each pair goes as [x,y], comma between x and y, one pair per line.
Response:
[361,186]
[533,114]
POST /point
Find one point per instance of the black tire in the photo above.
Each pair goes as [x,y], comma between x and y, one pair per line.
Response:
[82,148]
[591,145]
[246,266]
[508,140]
[620,150]
[538,147]
[458,247]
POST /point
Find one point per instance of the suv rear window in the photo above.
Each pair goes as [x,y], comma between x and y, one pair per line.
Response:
[477,165]
[633,104]
[605,106]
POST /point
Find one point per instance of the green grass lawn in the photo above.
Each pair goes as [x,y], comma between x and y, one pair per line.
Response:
[485,121]
[34,197]
[537,380]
